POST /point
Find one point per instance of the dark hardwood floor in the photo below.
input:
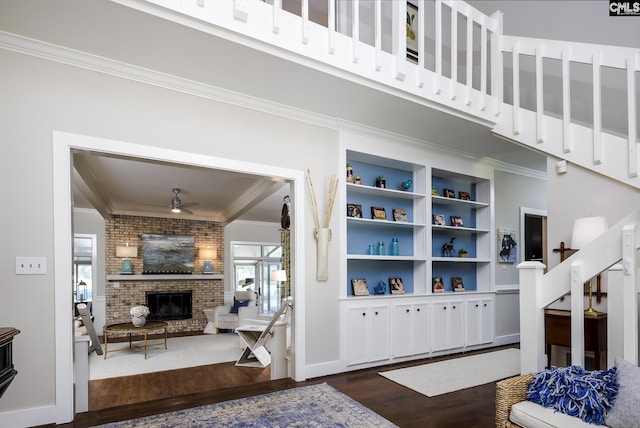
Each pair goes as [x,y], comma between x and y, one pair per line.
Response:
[136,396]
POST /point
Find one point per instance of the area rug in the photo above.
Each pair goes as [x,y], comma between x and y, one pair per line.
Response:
[308,406]
[459,373]
[181,352]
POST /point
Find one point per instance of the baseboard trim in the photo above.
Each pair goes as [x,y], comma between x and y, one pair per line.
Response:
[28,417]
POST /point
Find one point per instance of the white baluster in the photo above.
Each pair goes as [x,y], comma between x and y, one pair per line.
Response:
[597,110]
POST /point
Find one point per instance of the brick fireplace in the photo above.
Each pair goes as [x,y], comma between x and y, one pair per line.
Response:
[207,291]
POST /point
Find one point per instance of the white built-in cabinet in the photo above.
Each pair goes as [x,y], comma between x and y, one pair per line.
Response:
[381,326]
[480,321]
[447,325]
[368,333]
[410,335]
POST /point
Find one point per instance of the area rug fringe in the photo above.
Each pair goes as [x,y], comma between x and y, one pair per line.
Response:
[308,406]
[459,373]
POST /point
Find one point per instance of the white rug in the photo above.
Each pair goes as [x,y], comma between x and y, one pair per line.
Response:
[187,351]
[459,373]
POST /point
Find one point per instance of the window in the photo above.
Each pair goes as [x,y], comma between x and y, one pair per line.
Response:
[252,266]
[84,259]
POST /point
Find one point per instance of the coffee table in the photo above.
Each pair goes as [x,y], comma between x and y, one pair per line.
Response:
[128,327]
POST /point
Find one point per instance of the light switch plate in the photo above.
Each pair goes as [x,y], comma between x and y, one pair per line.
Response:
[31,265]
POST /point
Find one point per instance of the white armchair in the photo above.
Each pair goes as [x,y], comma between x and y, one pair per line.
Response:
[231,317]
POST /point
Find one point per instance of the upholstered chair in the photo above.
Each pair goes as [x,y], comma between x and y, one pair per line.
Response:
[230,317]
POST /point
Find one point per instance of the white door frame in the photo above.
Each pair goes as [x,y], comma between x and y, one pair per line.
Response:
[63,144]
[524,211]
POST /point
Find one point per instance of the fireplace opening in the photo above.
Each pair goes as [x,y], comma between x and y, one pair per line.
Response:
[169,305]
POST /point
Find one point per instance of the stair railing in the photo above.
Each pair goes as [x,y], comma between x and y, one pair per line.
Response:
[619,244]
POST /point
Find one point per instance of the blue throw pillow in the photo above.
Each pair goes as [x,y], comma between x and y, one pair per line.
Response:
[237,304]
[575,391]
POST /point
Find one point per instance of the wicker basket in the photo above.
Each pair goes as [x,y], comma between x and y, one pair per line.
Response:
[509,392]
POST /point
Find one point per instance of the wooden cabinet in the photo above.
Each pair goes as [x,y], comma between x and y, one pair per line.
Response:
[480,321]
[368,334]
[447,325]
[410,329]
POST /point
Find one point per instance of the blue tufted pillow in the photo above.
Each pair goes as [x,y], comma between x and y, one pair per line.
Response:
[237,304]
[575,391]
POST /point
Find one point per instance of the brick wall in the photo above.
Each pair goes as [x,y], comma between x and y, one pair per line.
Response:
[206,293]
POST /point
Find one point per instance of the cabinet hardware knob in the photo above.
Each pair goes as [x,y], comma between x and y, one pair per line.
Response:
[376,313]
[477,306]
[407,310]
[418,309]
[454,307]
[485,305]
[364,314]
[445,308]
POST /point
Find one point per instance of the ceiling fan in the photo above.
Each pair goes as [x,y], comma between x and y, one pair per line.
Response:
[176,204]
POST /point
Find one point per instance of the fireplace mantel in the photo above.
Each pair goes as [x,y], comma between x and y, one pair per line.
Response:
[176,277]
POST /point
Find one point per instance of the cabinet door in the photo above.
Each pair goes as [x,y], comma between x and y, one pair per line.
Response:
[380,333]
[473,321]
[487,321]
[456,324]
[402,330]
[420,328]
[358,332]
[440,326]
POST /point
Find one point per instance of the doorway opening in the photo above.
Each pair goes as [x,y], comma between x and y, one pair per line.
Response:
[533,224]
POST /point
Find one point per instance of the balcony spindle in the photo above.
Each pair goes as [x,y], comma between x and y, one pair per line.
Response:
[277,10]
[631,112]
[378,33]
[454,52]
[305,22]
[515,59]
[355,36]
[469,64]
[399,38]
[597,110]
[567,145]
[539,96]
[483,64]
[438,38]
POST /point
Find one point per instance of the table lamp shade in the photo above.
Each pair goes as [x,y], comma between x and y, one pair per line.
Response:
[127,253]
[587,229]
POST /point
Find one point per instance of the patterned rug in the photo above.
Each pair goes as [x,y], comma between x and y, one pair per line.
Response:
[308,406]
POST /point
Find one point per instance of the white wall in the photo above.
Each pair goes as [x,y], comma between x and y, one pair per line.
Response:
[40,97]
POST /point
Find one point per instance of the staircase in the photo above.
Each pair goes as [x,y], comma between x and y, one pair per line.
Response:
[520,88]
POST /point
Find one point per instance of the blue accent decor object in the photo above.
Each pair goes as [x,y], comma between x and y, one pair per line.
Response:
[574,391]
[208,267]
[127,267]
[238,304]
[381,288]
[406,185]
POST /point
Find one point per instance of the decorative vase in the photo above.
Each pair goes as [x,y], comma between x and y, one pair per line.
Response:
[323,236]
[138,321]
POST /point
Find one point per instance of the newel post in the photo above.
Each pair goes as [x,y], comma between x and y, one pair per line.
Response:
[532,352]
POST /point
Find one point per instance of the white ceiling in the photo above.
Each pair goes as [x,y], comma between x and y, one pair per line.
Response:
[139,187]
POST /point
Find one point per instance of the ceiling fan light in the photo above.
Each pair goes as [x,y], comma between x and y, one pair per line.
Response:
[175,210]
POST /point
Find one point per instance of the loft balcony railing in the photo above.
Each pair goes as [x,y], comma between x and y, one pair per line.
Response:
[574,101]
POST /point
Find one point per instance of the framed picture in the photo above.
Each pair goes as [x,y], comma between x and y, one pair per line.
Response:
[435,191]
[360,287]
[448,193]
[456,221]
[438,219]
[437,286]
[507,246]
[378,213]
[354,210]
[412,32]
[456,283]
[465,196]
[168,254]
[396,286]
[400,215]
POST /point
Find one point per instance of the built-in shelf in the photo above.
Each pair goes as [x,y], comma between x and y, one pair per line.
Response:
[168,277]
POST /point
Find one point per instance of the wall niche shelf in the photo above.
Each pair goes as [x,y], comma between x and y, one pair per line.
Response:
[168,277]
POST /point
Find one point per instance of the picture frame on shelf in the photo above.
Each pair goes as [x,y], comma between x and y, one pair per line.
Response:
[465,196]
[354,210]
[360,287]
[378,213]
[435,191]
[412,32]
[456,221]
[436,285]
[396,286]
[400,215]
[456,283]
[448,193]
[438,220]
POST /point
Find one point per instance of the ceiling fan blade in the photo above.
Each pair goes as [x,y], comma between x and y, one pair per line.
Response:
[186,211]
[188,204]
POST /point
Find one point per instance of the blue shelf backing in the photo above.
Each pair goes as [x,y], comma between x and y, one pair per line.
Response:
[374,271]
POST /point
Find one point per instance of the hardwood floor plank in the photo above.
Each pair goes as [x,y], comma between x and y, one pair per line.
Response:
[128,397]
